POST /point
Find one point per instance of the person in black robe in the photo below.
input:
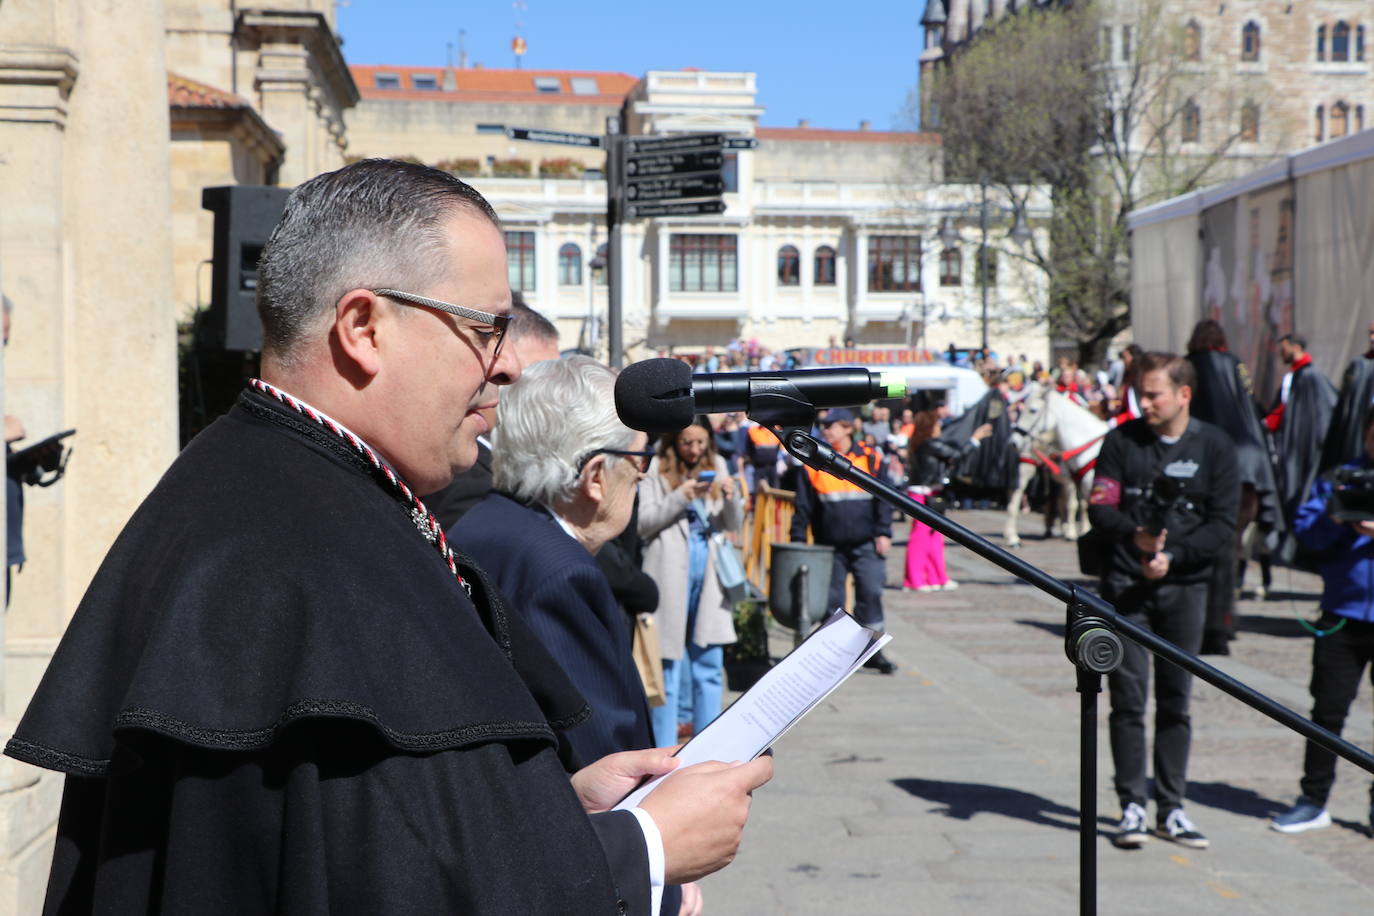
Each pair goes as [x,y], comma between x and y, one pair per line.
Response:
[1298,421]
[283,691]
[1224,397]
[990,469]
[1344,443]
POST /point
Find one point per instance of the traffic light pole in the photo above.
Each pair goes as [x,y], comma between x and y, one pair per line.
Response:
[615,183]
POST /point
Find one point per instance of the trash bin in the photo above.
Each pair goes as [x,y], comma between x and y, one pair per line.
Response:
[799,584]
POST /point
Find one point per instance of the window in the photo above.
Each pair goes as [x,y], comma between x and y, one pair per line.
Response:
[1249,122]
[387,81]
[789,266]
[951,267]
[1125,42]
[703,263]
[569,265]
[1321,42]
[1340,42]
[986,274]
[424,81]
[1321,124]
[520,260]
[491,128]
[1192,41]
[547,84]
[825,266]
[1108,125]
[894,263]
[583,85]
[1192,122]
[1340,120]
[1359,42]
[1107,42]
[1250,42]
[1359,118]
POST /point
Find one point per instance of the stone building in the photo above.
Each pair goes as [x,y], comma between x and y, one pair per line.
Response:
[1289,74]
[827,233]
[103,153]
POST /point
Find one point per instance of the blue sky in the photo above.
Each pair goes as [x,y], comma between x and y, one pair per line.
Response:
[833,63]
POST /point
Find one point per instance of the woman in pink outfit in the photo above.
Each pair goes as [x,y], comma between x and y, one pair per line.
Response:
[930,459]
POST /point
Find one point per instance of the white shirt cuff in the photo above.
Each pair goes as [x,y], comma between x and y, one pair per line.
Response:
[653,842]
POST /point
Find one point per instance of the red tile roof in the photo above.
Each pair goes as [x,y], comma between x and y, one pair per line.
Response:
[476,84]
[187,93]
[825,135]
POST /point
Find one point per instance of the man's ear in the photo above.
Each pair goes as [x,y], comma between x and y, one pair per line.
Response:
[592,482]
[357,318]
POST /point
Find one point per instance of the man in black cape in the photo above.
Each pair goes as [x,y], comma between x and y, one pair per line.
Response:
[283,692]
[1299,421]
[1225,398]
[1344,443]
[992,467]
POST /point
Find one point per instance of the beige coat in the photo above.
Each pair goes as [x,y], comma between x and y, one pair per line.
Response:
[663,525]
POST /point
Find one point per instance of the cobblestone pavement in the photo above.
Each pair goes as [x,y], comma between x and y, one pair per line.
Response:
[952,786]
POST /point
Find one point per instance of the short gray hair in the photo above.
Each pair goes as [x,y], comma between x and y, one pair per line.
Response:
[374,223]
[558,412]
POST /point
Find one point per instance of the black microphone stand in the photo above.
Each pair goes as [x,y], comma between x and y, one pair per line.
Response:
[1092,624]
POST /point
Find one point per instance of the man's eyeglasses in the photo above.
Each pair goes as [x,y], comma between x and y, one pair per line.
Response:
[489,340]
[642,465]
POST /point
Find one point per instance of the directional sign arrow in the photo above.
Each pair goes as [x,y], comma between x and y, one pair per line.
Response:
[685,142]
[675,187]
[673,163]
[689,208]
[564,138]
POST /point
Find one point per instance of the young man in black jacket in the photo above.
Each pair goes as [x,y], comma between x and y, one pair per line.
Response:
[1166,492]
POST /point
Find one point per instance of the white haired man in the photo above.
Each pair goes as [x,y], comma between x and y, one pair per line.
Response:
[283,691]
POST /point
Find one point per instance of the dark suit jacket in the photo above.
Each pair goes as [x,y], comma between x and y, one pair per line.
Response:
[564,595]
[467,490]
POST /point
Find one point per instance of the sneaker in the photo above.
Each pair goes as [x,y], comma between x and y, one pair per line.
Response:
[1131,832]
[949,586]
[927,588]
[1182,831]
[1304,815]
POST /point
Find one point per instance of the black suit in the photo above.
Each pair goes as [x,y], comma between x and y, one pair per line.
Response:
[467,490]
[564,596]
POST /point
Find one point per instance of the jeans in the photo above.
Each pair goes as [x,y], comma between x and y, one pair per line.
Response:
[1176,612]
[870,575]
[696,680]
[1338,660]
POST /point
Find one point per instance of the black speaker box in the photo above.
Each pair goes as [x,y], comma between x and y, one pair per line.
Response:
[245,216]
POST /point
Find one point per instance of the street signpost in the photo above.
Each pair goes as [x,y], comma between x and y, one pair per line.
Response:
[648,178]
[561,137]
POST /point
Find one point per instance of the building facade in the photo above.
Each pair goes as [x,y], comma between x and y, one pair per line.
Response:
[827,234]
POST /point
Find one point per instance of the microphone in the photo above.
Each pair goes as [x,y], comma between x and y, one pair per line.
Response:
[662,395]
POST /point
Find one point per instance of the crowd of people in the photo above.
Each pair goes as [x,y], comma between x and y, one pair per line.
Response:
[421,610]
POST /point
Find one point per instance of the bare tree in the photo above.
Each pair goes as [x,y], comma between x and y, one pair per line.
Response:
[1109,112]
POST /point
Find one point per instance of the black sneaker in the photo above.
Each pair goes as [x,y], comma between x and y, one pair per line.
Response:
[1131,832]
[879,663]
[1182,831]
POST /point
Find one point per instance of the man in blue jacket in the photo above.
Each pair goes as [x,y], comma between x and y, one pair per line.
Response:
[1345,635]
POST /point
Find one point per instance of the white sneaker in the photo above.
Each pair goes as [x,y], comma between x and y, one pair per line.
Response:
[927,588]
[1181,830]
[1131,832]
[949,586]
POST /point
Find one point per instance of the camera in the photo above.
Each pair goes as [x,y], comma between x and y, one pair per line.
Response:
[1162,496]
[1352,494]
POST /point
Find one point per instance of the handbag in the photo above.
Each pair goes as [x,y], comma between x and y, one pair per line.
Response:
[729,570]
[645,649]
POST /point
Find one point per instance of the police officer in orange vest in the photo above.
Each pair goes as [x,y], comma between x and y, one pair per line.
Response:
[846,518]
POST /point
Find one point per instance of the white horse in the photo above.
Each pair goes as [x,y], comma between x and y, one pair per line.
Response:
[1055,433]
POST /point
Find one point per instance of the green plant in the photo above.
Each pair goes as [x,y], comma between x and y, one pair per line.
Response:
[511,168]
[561,168]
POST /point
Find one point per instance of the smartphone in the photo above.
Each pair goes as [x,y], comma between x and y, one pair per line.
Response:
[707,476]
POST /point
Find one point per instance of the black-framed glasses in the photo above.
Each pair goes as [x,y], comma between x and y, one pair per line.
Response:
[644,456]
[492,339]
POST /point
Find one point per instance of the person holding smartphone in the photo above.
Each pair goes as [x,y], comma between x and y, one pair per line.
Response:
[688,495]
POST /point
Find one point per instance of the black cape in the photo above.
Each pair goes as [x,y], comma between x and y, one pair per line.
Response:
[1345,437]
[1224,397]
[274,697]
[993,463]
[1298,443]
